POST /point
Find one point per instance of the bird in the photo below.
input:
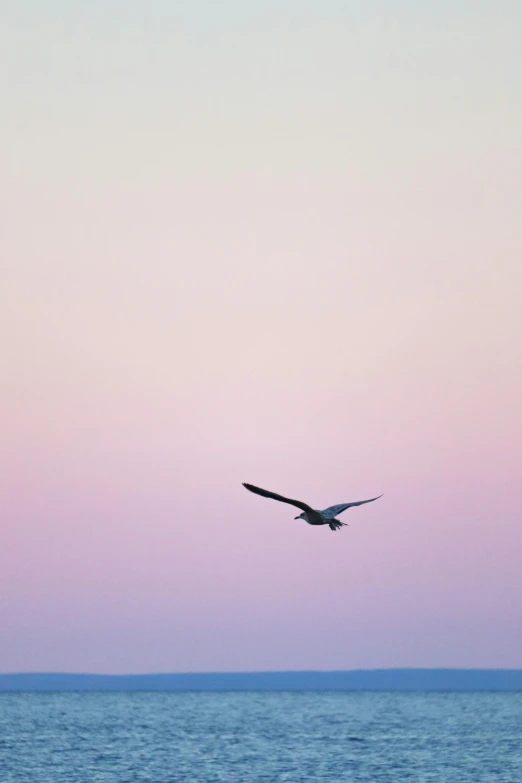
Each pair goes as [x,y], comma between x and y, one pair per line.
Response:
[309,514]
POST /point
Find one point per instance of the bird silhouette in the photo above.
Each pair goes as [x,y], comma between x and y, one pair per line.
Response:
[309,514]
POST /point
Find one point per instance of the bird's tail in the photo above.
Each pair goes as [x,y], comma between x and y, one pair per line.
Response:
[336,524]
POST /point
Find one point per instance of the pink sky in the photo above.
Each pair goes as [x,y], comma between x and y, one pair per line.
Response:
[284,249]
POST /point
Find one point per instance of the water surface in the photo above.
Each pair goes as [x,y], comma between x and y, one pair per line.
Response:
[249,737]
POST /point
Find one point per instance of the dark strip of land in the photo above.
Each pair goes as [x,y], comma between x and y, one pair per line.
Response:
[355,680]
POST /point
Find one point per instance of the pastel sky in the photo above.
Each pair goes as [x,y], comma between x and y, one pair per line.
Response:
[276,242]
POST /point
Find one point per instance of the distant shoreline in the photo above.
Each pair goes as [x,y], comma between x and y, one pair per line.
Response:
[351,680]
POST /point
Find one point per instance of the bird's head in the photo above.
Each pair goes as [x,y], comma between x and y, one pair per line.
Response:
[301,515]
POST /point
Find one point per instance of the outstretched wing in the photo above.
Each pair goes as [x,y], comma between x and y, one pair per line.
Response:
[330,513]
[266,494]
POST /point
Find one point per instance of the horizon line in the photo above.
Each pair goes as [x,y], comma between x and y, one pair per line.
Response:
[197,673]
[311,680]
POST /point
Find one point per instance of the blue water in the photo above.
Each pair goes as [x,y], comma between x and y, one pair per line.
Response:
[250,737]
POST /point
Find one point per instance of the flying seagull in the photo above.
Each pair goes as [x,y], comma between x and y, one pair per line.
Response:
[310,515]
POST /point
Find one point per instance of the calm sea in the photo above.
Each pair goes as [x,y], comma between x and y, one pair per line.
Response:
[249,737]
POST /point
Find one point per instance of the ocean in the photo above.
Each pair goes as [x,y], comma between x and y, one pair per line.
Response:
[249,737]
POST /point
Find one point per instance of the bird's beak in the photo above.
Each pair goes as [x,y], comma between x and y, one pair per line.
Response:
[299,517]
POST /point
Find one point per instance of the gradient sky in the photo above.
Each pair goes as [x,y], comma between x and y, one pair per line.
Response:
[276,242]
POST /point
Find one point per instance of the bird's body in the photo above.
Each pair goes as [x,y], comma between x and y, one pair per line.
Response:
[309,514]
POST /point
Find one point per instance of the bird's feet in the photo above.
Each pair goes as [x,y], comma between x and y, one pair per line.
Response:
[336,525]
